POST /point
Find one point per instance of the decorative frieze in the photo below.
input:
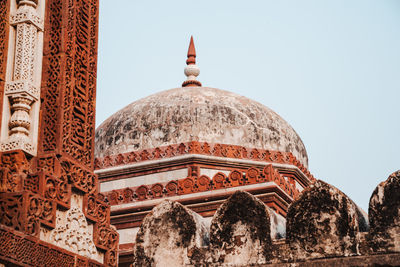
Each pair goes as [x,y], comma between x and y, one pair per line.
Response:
[190,185]
[18,247]
[202,148]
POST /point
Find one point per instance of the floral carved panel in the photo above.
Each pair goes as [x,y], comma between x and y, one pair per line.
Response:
[73,233]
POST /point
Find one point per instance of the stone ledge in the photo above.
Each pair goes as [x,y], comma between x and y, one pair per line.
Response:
[392,259]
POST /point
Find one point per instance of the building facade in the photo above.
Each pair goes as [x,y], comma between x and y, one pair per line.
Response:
[196,145]
[192,176]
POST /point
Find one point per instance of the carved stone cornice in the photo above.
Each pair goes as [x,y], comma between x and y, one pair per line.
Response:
[109,164]
[203,184]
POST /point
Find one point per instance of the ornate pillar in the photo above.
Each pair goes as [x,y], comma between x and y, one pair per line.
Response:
[50,211]
[20,116]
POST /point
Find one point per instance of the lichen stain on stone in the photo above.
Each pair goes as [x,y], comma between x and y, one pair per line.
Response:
[169,236]
[240,231]
[197,114]
[322,222]
[384,215]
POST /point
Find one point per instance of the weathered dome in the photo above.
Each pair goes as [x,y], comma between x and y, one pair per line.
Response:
[201,114]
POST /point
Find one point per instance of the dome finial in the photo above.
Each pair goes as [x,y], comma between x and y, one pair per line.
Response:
[191,70]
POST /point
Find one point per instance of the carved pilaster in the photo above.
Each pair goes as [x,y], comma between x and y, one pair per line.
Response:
[19,128]
[52,196]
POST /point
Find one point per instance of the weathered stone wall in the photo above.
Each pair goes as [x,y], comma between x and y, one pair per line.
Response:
[323,222]
[240,231]
[384,216]
[324,228]
[171,235]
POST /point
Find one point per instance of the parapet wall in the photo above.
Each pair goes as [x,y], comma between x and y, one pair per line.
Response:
[323,228]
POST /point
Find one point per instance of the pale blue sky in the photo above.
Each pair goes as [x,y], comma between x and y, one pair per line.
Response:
[329,68]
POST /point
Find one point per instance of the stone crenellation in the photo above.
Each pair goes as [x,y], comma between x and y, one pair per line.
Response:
[196,145]
[324,227]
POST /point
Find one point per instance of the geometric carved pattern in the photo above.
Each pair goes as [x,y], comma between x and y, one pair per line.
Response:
[96,210]
[52,77]
[200,148]
[105,237]
[4,33]
[27,16]
[27,252]
[68,81]
[78,117]
[35,187]
[4,29]
[31,253]
[65,149]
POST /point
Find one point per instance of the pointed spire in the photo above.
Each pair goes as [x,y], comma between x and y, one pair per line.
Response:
[191,60]
[191,70]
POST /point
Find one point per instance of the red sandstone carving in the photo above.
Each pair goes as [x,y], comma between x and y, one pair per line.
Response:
[191,60]
[157,190]
[4,34]
[55,189]
[142,192]
[219,180]
[172,188]
[252,175]
[13,171]
[235,178]
[194,147]
[4,28]
[203,183]
[33,188]
[186,186]
[19,248]
[31,183]
[194,171]
[25,211]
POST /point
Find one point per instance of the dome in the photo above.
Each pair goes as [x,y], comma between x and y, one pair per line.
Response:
[201,114]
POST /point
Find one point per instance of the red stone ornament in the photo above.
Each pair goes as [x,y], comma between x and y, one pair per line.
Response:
[191,70]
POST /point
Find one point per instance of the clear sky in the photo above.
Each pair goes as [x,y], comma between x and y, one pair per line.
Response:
[329,68]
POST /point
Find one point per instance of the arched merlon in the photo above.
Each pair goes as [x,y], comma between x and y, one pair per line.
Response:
[384,216]
[240,231]
[322,222]
[171,235]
